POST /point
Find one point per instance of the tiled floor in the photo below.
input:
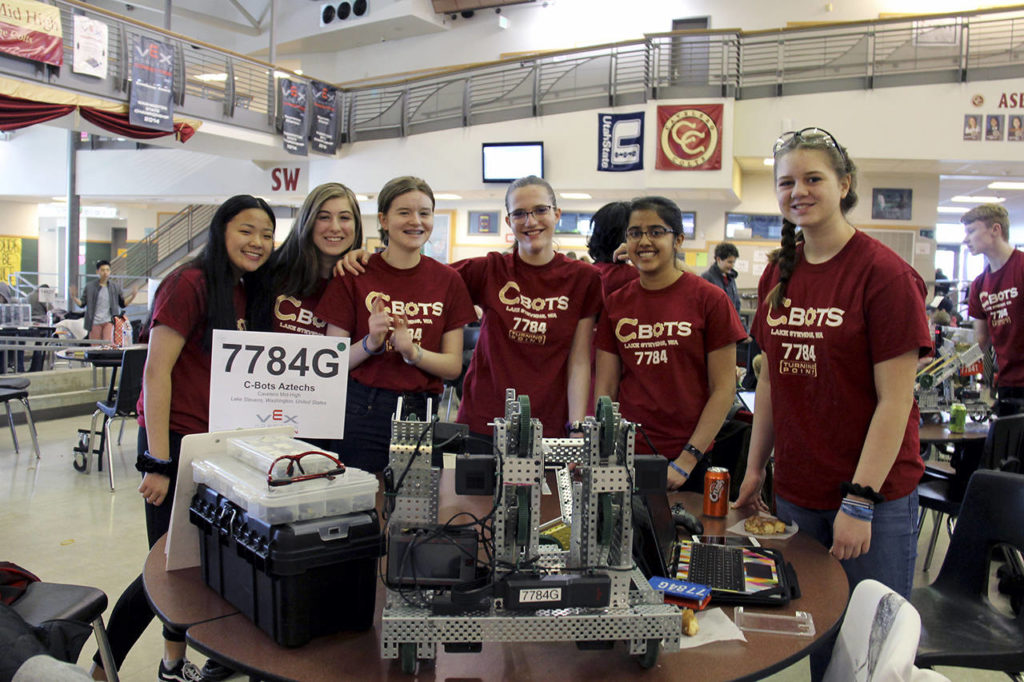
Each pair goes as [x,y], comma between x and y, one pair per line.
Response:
[68,527]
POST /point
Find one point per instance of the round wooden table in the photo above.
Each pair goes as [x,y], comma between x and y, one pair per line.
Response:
[180,597]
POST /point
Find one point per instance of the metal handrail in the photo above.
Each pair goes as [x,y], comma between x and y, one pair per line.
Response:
[176,237]
[948,47]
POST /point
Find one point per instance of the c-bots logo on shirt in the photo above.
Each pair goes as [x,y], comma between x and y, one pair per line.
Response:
[690,137]
[806,317]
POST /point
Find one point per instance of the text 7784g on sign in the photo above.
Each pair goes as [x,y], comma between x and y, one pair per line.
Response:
[265,379]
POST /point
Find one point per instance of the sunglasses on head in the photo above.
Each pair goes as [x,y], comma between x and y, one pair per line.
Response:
[809,135]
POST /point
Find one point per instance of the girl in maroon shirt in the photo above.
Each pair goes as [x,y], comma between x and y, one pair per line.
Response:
[841,322]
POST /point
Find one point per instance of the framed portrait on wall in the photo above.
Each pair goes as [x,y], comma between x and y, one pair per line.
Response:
[484,223]
[438,246]
[891,204]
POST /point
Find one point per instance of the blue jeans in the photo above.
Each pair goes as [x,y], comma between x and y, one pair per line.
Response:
[890,559]
[893,552]
[368,413]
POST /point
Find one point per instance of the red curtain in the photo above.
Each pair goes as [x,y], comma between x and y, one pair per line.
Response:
[118,123]
[20,113]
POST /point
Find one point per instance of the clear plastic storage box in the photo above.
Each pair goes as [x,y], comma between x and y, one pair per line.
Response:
[245,485]
[261,451]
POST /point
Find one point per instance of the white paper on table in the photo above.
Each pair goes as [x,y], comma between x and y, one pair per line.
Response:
[715,626]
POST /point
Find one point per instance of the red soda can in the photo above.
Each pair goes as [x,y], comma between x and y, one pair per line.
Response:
[716,492]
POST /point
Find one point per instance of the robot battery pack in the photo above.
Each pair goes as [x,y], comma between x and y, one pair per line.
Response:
[530,593]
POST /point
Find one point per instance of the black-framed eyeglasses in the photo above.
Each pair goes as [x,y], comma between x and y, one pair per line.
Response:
[811,135]
[521,215]
[635,234]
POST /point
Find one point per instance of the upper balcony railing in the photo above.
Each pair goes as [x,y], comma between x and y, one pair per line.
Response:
[219,85]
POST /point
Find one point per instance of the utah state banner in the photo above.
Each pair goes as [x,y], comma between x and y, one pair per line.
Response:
[690,137]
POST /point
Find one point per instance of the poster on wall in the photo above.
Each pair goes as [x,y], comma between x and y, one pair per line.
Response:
[90,53]
[972,131]
[690,137]
[891,204]
[31,30]
[620,142]
[484,222]
[1016,130]
[10,258]
[293,113]
[994,128]
[325,118]
[151,101]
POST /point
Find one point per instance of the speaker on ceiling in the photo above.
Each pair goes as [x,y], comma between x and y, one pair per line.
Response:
[326,14]
[359,7]
[344,10]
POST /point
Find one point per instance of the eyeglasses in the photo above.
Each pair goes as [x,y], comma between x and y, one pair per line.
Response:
[521,215]
[634,234]
[810,135]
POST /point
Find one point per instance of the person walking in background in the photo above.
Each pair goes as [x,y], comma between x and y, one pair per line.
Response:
[722,273]
[996,302]
[104,301]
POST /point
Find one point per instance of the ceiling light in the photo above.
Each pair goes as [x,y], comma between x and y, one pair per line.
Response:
[1006,185]
[362,197]
[977,199]
[769,161]
[59,198]
[212,77]
[444,196]
[953,209]
[574,195]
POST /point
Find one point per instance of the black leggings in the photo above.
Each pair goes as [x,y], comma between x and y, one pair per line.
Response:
[132,613]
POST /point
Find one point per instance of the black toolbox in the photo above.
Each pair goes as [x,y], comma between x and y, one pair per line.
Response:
[296,581]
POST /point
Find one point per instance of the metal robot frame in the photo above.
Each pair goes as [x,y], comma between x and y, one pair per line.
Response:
[602,540]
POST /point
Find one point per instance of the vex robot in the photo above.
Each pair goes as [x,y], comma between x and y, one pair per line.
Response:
[952,376]
[467,581]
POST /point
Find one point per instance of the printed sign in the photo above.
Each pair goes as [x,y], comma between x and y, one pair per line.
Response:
[31,30]
[325,118]
[293,112]
[690,137]
[90,54]
[266,379]
[620,142]
[152,103]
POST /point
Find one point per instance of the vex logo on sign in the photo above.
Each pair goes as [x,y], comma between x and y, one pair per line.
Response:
[278,417]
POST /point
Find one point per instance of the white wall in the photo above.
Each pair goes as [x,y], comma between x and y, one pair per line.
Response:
[572,23]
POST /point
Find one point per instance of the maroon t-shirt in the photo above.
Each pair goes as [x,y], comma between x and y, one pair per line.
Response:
[998,298]
[863,306]
[432,297]
[530,317]
[614,276]
[181,305]
[662,339]
[294,315]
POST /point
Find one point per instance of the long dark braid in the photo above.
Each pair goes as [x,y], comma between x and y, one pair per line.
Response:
[785,259]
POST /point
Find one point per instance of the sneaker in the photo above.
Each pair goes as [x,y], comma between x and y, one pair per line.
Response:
[184,671]
[215,672]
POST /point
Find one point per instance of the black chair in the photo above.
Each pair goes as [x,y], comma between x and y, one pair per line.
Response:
[959,627]
[1003,449]
[45,602]
[16,388]
[470,335]
[120,403]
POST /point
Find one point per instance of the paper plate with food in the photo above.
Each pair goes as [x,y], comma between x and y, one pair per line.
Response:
[764,527]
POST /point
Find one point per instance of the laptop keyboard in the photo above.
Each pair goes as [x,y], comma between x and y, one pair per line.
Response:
[717,566]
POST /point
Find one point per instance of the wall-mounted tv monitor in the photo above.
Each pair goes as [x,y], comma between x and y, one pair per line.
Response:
[689,225]
[508,161]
